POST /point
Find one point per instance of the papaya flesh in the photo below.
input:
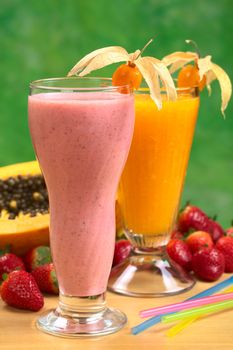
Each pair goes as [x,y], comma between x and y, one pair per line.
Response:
[22,228]
[25,229]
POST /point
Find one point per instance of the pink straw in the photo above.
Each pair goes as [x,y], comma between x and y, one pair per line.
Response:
[185,305]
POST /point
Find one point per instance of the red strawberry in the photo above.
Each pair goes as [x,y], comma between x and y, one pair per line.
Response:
[225,245]
[21,291]
[229,232]
[208,264]
[192,218]
[177,235]
[46,278]
[37,256]
[178,251]
[198,240]
[215,229]
[10,262]
[122,251]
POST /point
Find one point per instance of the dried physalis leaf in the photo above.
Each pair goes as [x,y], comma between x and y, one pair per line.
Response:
[153,70]
[152,79]
[177,60]
[212,71]
[206,69]
[99,59]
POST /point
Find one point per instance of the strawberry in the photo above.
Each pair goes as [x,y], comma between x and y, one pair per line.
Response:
[225,245]
[21,291]
[208,264]
[215,229]
[179,252]
[46,278]
[229,232]
[37,256]
[122,251]
[177,235]
[10,262]
[192,218]
[198,240]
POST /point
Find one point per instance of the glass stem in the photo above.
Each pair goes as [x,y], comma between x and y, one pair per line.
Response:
[81,307]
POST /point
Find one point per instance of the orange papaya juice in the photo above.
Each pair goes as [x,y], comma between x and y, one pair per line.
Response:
[153,177]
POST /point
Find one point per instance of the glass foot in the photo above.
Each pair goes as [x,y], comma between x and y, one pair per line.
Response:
[71,323]
[146,275]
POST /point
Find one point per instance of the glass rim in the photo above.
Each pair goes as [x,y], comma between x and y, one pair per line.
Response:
[186,89]
[41,84]
[180,90]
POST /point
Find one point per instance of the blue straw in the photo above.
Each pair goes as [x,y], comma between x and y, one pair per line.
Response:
[157,319]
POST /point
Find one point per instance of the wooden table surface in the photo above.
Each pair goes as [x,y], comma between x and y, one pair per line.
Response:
[18,331]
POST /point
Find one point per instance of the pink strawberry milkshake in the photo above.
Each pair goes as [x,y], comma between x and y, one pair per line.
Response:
[82,141]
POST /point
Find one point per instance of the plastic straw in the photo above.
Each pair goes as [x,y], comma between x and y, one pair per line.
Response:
[186,305]
[156,319]
[185,323]
[198,311]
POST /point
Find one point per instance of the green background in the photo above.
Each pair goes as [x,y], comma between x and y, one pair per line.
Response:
[41,39]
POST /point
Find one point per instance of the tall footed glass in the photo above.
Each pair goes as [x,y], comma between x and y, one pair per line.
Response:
[81,130]
[149,194]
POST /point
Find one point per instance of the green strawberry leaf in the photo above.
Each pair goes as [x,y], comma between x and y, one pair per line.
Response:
[4,276]
[5,250]
[54,281]
[214,217]
[43,255]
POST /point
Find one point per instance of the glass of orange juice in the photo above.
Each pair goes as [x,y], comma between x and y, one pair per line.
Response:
[149,194]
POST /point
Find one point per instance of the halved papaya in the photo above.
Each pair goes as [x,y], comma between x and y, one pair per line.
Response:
[24,217]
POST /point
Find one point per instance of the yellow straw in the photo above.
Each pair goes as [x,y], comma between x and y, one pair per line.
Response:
[185,323]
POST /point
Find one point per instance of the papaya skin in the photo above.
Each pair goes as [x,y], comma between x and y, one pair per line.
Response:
[24,232]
